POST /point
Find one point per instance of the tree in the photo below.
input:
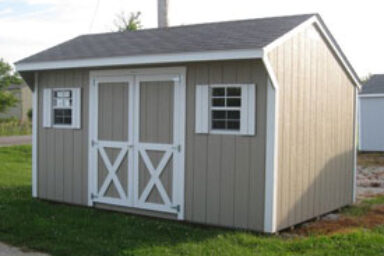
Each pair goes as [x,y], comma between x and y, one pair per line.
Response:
[7,77]
[129,22]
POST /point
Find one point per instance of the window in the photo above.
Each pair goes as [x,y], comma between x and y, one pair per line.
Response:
[61,108]
[225,109]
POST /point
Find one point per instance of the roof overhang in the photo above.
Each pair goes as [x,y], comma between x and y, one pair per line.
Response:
[143,59]
[372,95]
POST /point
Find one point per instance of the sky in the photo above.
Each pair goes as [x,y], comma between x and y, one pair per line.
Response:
[29,26]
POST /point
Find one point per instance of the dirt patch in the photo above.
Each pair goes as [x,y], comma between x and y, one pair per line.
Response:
[344,224]
[370,175]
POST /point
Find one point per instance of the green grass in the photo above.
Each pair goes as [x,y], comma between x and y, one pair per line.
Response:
[68,230]
[11,127]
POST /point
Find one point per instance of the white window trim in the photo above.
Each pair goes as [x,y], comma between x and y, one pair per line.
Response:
[73,124]
[61,126]
[239,132]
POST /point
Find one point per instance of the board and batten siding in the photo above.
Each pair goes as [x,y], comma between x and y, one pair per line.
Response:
[224,174]
[316,129]
[63,153]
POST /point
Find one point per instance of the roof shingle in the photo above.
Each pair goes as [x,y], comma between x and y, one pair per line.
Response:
[375,84]
[233,35]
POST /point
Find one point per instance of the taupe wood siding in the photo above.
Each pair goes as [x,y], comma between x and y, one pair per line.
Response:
[224,174]
[316,127]
[63,153]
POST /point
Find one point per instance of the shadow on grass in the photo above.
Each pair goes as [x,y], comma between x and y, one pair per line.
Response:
[71,230]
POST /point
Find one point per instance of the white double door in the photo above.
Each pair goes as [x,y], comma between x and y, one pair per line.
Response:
[137,125]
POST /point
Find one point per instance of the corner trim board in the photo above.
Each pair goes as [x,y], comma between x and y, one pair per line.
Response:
[34,135]
[356,129]
[271,149]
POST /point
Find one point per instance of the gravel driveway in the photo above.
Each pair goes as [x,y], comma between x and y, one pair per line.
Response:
[6,250]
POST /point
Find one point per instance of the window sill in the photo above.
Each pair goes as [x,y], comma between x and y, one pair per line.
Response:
[226,132]
[63,127]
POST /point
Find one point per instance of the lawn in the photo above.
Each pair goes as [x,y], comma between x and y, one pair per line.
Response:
[69,230]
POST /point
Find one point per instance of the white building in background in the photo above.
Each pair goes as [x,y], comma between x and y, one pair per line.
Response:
[371,128]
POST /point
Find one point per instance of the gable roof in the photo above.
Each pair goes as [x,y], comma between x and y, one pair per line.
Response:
[243,39]
[232,35]
[375,85]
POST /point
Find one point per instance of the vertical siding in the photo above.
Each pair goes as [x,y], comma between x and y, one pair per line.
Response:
[316,118]
[63,153]
[224,174]
[371,138]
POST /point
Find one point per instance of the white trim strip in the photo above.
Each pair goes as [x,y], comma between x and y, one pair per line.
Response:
[144,59]
[271,149]
[355,139]
[35,97]
[373,95]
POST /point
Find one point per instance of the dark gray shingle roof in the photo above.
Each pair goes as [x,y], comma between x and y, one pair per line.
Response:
[244,34]
[375,84]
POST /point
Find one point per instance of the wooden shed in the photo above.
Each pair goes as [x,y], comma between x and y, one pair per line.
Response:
[371,118]
[245,124]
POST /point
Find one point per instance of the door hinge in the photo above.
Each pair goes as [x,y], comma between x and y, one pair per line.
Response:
[94,143]
[176,207]
[177,148]
[93,196]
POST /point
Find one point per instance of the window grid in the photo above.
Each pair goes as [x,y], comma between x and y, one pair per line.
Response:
[62,107]
[225,108]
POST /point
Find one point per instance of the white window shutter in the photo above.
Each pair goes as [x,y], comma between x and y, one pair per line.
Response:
[47,108]
[202,109]
[76,102]
[248,104]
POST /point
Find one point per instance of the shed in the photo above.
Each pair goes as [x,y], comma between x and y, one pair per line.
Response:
[24,103]
[245,124]
[371,118]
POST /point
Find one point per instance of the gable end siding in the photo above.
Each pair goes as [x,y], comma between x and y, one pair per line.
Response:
[316,129]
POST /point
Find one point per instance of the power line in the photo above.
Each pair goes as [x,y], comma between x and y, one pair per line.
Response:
[94,15]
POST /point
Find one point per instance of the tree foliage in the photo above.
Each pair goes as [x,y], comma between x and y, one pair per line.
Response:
[7,77]
[131,22]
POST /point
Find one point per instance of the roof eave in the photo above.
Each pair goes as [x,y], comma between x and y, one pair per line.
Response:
[143,59]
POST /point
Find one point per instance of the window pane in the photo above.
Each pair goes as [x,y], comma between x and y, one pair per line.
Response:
[233,114]
[67,112]
[233,125]
[62,116]
[233,91]
[236,102]
[67,120]
[218,102]
[218,91]
[218,124]
[218,114]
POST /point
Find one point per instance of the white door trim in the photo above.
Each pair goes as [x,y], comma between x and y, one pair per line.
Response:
[94,148]
[133,77]
[175,150]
